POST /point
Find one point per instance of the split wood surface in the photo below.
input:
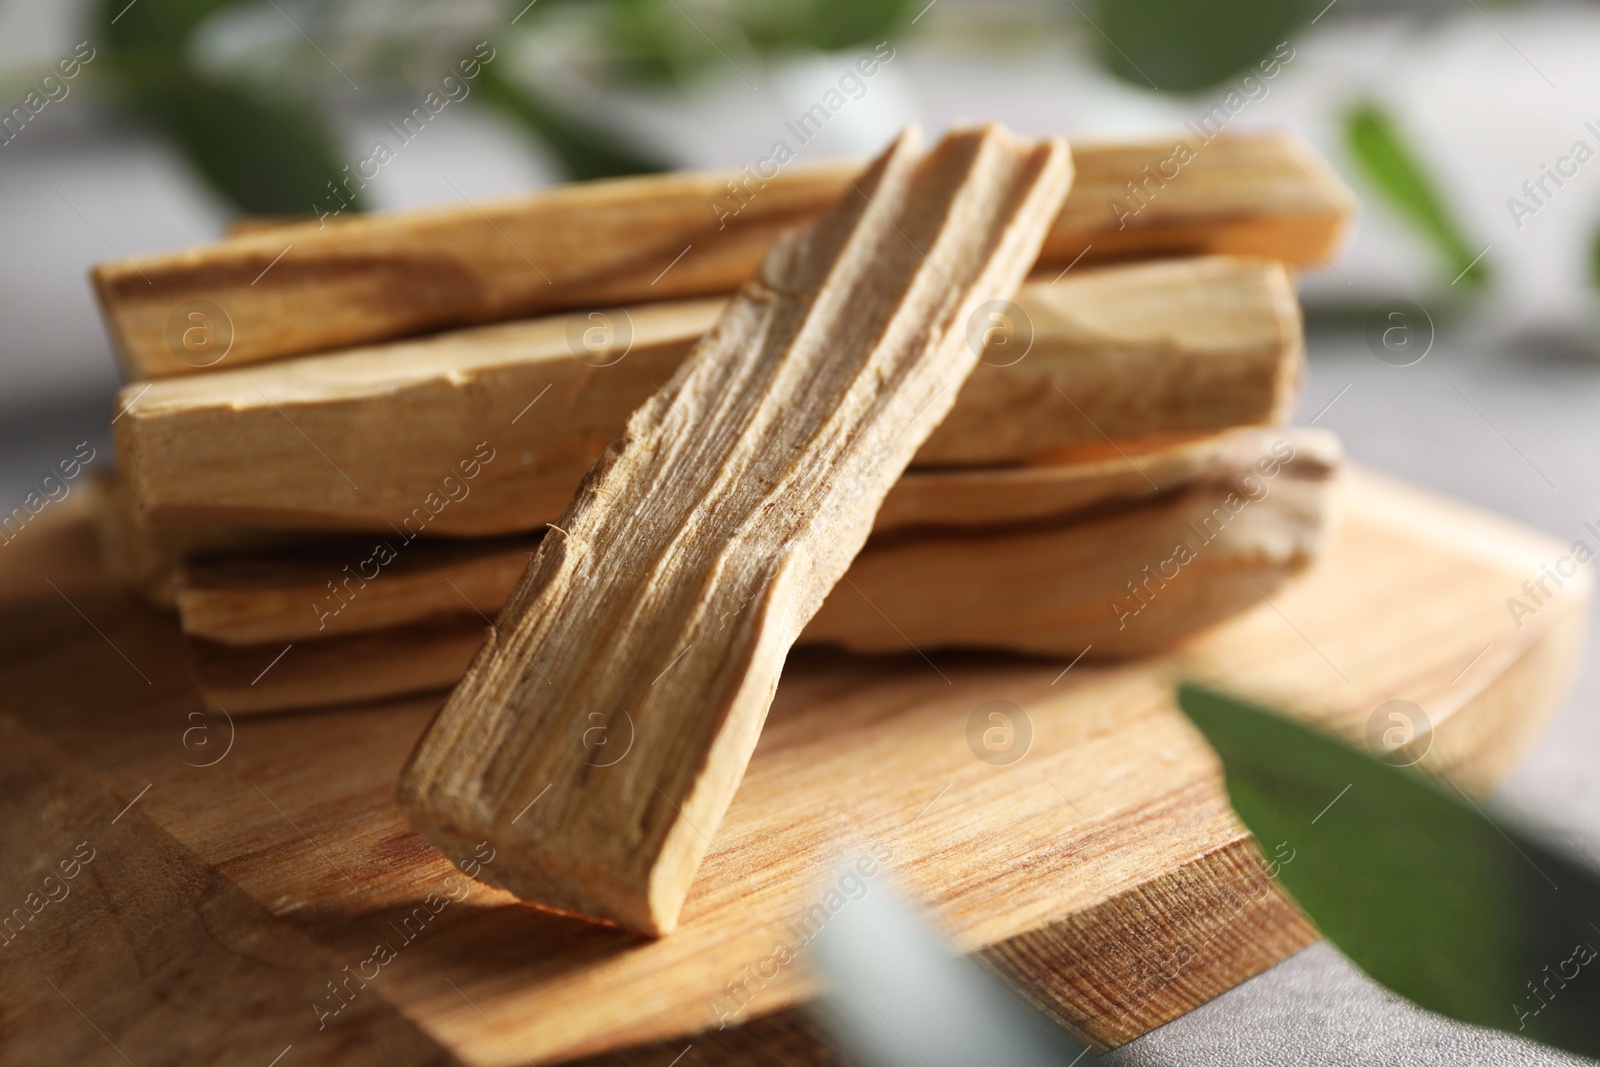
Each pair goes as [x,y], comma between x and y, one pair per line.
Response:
[1097,575]
[311,592]
[270,862]
[319,592]
[711,529]
[1095,589]
[489,431]
[1124,581]
[310,288]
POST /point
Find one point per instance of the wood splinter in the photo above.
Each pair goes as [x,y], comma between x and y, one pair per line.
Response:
[735,499]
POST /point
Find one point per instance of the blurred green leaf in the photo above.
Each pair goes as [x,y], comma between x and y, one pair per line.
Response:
[585,151]
[1594,259]
[1183,46]
[676,40]
[1467,917]
[267,149]
[825,25]
[267,154]
[653,42]
[159,27]
[1379,149]
[268,157]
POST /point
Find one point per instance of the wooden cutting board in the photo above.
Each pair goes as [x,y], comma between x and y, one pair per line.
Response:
[253,892]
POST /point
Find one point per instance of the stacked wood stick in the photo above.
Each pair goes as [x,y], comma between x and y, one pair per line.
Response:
[1094,463]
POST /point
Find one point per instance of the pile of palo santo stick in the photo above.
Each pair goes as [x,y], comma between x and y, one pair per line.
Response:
[342,445]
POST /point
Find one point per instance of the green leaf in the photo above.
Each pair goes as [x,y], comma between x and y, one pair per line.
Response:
[268,157]
[585,151]
[1468,917]
[824,25]
[1183,46]
[152,26]
[267,154]
[653,42]
[1379,149]
[675,41]
[1594,259]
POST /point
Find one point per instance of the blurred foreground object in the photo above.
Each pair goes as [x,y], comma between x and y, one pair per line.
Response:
[1467,914]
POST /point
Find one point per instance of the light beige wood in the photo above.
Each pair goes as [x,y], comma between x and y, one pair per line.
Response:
[427,656]
[110,916]
[1180,346]
[357,585]
[134,556]
[149,560]
[503,419]
[1262,194]
[1117,581]
[1474,749]
[1016,589]
[1073,481]
[1185,346]
[313,287]
[715,523]
[310,594]
[1102,872]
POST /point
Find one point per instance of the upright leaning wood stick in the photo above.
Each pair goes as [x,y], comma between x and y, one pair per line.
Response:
[712,528]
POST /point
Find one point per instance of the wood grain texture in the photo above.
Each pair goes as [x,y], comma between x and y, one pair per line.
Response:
[427,656]
[966,569]
[316,592]
[1079,480]
[118,942]
[325,589]
[1184,346]
[1118,581]
[102,900]
[1260,194]
[309,288]
[1102,872]
[130,552]
[1180,346]
[715,523]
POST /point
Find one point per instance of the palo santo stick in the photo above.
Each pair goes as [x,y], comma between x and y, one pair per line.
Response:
[147,561]
[305,288]
[128,552]
[314,593]
[714,525]
[350,587]
[1125,582]
[1179,346]
[419,657]
[1084,481]
[1053,585]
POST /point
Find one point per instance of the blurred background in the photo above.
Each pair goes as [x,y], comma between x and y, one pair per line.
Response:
[1468,128]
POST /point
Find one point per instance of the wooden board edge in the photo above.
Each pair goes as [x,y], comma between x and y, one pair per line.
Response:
[1487,736]
[1241,927]
[1184,937]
